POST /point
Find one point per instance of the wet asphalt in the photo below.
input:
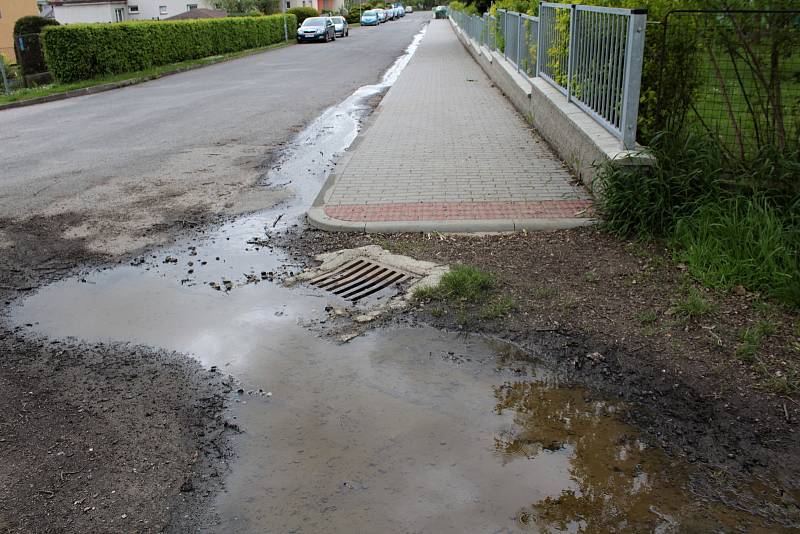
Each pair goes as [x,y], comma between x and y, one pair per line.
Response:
[58,150]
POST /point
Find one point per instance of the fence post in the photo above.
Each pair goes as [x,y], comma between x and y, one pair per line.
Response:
[573,13]
[632,81]
[505,35]
[539,35]
[519,37]
[6,88]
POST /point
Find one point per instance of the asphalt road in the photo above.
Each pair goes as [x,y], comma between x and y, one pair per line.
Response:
[192,141]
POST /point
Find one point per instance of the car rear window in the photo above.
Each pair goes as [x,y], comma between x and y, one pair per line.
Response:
[337,19]
[369,13]
[315,21]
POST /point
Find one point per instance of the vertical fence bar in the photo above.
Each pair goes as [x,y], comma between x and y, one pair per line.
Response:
[570,51]
[634,56]
[519,38]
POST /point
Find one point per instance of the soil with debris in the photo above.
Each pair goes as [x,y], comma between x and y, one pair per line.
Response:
[101,437]
[625,320]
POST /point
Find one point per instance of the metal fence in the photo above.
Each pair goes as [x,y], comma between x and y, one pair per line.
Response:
[592,55]
[740,77]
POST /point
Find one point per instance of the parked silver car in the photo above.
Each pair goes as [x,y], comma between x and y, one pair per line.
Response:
[340,27]
[316,29]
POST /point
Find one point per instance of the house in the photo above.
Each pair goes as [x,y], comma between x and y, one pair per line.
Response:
[69,11]
[10,12]
[319,5]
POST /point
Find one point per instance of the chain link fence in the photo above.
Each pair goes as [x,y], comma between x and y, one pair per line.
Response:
[742,82]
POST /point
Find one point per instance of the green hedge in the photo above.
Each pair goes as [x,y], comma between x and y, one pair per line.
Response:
[302,13]
[83,51]
[32,24]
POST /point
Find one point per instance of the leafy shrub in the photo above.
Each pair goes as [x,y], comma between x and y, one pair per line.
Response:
[32,24]
[302,13]
[82,51]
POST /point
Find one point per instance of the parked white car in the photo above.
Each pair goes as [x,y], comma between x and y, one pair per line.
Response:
[409,9]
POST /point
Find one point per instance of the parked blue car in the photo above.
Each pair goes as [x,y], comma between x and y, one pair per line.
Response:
[370,18]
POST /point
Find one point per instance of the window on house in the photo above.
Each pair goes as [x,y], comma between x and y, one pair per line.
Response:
[133,9]
[190,7]
[162,10]
[288,5]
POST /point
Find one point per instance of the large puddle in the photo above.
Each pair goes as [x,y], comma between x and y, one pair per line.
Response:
[406,430]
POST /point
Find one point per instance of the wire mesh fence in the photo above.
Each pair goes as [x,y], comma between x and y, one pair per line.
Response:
[742,83]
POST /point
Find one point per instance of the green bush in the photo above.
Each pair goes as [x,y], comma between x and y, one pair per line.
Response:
[83,51]
[302,13]
[32,24]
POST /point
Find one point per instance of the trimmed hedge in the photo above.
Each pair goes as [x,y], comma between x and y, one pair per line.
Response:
[83,51]
[302,13]
[32,24]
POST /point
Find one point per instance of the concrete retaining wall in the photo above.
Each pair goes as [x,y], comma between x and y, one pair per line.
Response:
[580,141]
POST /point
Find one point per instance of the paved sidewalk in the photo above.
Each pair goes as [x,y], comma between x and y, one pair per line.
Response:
[446,151]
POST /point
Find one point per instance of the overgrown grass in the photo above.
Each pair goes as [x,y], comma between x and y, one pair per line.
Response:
[147,74]
[743,241]
[461,283]
[731,222]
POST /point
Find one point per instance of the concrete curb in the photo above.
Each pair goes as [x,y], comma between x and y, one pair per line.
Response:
[319,219]
[94,89]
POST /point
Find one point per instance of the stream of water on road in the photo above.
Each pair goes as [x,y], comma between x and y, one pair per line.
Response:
[399,430]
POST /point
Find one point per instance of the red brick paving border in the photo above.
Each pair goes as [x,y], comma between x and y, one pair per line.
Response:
[453,211]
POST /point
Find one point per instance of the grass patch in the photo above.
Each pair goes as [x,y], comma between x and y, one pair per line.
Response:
[693,305]
[743,241]
[544,292]
[646,317]
[751,338]
[154,72]
[591,277]
[437,312]
[462,282]
[785,383]
[499,308]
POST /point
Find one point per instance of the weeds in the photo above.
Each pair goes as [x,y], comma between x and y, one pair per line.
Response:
[751,338]
[694,305]
[544,292]
[731,222]
[499,308]
[591,277]
[437,312]
[646,317]
[462,282]
[742,241]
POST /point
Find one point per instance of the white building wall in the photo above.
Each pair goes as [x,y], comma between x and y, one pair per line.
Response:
[151,9]
[68,14]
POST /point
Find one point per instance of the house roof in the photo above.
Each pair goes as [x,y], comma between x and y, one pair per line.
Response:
[201,13]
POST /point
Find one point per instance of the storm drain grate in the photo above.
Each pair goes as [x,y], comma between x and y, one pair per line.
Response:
[358,279]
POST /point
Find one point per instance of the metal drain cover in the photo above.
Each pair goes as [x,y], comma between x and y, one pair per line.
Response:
[359,278]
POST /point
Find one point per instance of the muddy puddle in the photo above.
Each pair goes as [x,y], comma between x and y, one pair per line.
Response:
[399,430]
